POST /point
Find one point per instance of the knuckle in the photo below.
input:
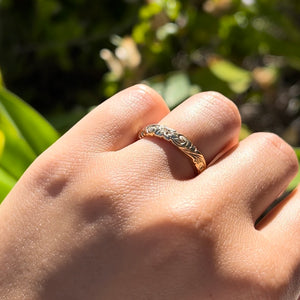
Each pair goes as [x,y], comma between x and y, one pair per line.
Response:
[185,212]
[51,173]
[273,144]
[227,112]
[149,97]
[144,89]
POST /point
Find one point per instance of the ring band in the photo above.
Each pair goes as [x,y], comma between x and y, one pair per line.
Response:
[177,139]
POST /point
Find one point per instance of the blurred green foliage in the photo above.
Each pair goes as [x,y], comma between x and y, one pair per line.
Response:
[49,51]
[245,49]
[296,180]
[24,134]
[49,55]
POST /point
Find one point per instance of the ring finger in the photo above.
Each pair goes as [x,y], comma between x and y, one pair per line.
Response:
[209,120]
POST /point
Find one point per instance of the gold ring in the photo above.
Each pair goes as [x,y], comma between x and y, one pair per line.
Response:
[177,139]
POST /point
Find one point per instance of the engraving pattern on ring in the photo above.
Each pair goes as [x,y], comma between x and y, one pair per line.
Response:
[177,139]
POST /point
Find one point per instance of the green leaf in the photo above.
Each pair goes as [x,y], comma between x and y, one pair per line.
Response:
[296,180]
[35,130]
[244,132]
[6,184]
[17,155]
[237,78]
[209,82]
[140,31]
[175,87]
[149,10]
[172,8]
[2,142]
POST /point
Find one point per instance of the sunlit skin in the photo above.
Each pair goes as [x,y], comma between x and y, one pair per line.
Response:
[104,215]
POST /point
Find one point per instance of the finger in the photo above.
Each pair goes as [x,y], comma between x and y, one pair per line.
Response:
[113,124]
[282,227]
[255,173]
[209,120]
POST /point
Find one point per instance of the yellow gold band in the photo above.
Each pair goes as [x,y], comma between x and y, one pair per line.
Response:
[177,139]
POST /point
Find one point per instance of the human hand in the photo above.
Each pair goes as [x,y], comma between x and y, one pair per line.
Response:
[102,215]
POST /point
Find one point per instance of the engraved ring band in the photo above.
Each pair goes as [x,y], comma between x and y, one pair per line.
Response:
[177,139]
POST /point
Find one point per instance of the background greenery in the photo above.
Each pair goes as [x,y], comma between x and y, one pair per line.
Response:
[49,56]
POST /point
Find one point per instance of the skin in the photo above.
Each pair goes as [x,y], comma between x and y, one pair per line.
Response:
[102,215]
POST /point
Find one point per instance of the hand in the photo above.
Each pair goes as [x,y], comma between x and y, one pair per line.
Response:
[102,215]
